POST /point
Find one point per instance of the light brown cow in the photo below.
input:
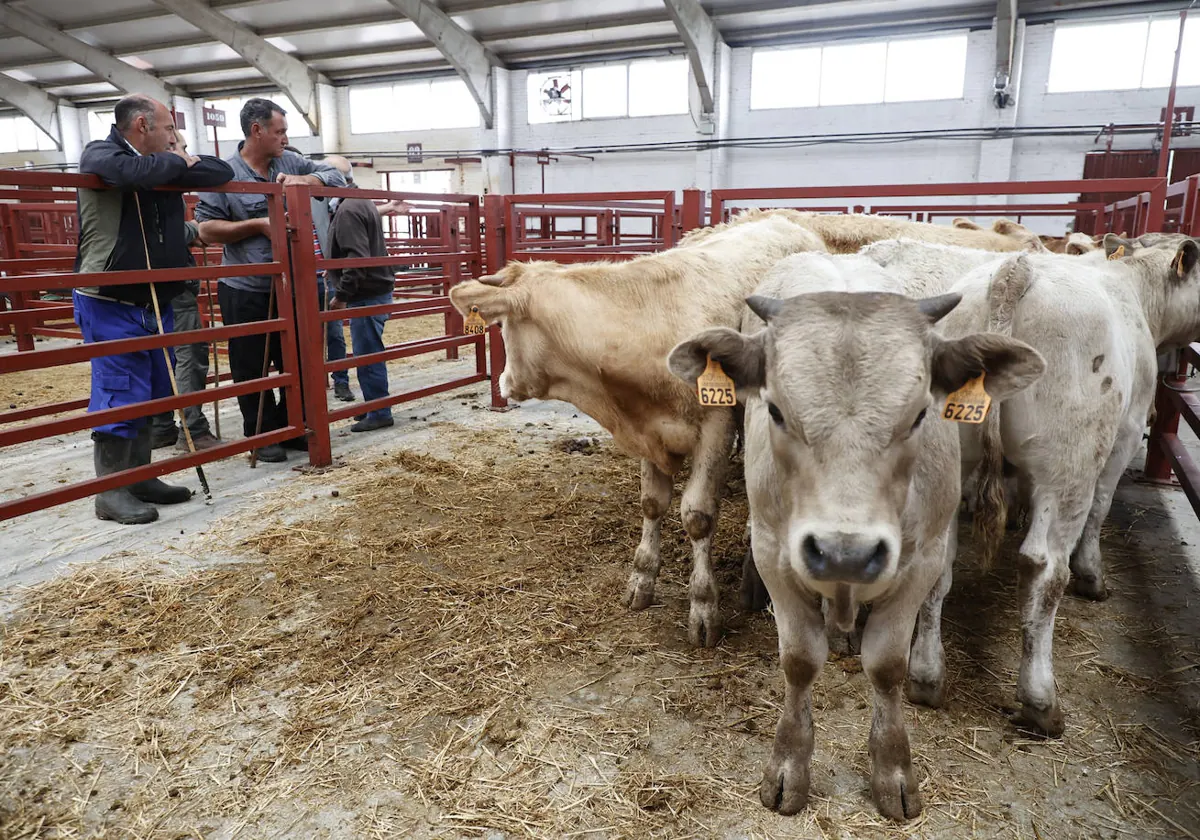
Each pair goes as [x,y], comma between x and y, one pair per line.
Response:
[852,476]
[597,335]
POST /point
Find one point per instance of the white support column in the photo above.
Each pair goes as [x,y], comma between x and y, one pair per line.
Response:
[72,139]
[497,176]
[331,123]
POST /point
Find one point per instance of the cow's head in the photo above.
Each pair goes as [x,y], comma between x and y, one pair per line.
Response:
[506,299]
[1170,293]
[843,390]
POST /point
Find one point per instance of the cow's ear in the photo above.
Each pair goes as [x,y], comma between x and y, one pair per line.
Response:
[1186,258]
[492,302]
[1010,365]
[1116,247]
[740,356]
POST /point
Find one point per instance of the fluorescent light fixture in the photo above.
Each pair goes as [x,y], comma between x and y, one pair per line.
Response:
[138,62]
[283,44]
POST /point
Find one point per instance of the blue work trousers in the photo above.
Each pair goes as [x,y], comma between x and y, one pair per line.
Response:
[335,338]
[124,378]
[366,336]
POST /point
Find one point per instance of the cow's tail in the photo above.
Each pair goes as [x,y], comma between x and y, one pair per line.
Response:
[1007,287]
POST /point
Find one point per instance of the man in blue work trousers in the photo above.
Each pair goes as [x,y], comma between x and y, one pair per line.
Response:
[121,229]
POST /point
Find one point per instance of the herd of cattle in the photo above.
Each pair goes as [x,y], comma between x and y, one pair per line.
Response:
[849,341]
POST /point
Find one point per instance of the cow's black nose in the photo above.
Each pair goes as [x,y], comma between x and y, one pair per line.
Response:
[844,558]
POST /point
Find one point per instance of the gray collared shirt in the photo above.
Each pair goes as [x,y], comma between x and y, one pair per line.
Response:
[239,207]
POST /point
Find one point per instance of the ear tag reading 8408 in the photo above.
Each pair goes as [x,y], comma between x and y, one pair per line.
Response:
[969,404]
[474,323]
[714,387]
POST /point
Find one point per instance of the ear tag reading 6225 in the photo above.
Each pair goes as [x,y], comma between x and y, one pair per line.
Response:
[474,323]
[969,404]
[714,387]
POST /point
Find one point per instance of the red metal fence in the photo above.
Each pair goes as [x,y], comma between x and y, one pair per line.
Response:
[16,279]
[440,263]
[1092,218]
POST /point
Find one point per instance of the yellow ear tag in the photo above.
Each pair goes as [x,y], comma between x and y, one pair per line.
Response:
[969,404]
[714,387]
[1117,254]
[474,324]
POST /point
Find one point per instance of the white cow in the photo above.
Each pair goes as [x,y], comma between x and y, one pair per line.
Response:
[1099,324]
[852,477]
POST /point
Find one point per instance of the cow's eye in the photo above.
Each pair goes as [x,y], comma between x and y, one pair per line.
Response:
[775,413]
[917,422]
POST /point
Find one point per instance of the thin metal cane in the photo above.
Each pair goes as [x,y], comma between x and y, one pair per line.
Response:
[187,434]
[262,395]
[216,360]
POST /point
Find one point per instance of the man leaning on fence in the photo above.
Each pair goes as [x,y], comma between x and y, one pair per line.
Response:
[239,222]
[356,232]
[128,228]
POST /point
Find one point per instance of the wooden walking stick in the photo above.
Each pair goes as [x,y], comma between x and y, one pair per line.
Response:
[187,434]
[216,363]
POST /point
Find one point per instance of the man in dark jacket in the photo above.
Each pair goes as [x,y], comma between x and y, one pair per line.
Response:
[118,229]
[356,231]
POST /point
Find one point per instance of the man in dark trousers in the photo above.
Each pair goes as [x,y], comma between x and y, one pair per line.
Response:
[356,231]
[239,222]
[118,229]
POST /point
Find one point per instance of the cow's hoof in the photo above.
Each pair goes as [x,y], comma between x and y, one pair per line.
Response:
[704,626]
[896,794]
[931,693]
[784,787]
[1092,588]
[639,593]
[1048,722]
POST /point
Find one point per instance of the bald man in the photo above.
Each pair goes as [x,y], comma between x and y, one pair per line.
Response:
[128,227]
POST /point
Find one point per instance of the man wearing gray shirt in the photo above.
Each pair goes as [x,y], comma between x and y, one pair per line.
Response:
[239,222]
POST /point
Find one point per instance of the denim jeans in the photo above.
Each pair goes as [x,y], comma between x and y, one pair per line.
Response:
[366,336]
[335,339]
[191,368]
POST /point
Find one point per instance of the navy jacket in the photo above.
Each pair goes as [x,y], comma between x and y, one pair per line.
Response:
[110,235]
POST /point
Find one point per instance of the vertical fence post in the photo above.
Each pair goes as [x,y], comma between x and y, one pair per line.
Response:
[495,218]
[452,276]
[1166,422]
[308,327]
[692,216]
[23,328]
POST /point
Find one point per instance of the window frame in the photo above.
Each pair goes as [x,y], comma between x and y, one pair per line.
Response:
[1148,20]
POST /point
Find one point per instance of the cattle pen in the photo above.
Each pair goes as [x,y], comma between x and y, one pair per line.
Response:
[423,636]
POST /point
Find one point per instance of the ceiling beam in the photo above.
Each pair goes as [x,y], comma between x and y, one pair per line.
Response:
[34,103]
[702,39]
[294,78]
[472,60]
[122,76]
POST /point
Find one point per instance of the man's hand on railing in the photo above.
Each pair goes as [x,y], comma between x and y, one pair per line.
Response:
[190,160]
[394,207]
[298,180]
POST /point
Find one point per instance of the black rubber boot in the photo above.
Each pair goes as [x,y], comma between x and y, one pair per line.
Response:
[113,454]
[154,490]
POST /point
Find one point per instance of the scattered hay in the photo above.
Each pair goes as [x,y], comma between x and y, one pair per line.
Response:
[443,653]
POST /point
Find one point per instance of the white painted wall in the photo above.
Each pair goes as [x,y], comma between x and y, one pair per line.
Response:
[928,161]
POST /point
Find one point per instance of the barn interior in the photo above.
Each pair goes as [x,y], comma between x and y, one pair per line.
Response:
[419,631]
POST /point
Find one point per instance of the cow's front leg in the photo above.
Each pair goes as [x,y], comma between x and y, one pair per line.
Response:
[885,649]
[927,659]
[802,652]
[656,499]
[700,505]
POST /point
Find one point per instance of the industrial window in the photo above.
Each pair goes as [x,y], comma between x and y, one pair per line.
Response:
[412,106]
[648,88]
[900,70]
[232,130]
[100,124]
[19,134]
[1137,53]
